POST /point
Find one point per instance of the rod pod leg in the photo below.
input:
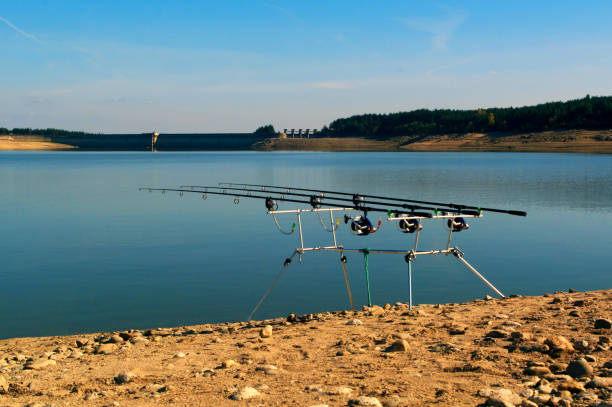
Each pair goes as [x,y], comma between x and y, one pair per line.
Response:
[348,286]
[285,265]
[459,255]
[367,272]
[409,258]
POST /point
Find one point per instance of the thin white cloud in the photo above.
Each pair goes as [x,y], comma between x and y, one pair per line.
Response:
[20,31]
[441,29]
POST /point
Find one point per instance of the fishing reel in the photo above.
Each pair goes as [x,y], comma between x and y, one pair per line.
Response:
[271,204]
[409,225]
[457,224]
[315,201]
[361,225]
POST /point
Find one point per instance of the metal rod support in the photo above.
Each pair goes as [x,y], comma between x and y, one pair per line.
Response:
[287,263]
[331,221]
[348,286]
[409,285]
[459,256]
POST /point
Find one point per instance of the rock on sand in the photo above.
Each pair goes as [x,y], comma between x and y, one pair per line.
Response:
[365,401]
[245,393]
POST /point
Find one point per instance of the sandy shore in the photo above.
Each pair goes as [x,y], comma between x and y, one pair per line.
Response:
[18,145]
[570,141]
[550,350]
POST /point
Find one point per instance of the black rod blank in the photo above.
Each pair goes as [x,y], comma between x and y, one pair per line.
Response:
[249,195]
[450,205]
[356,203]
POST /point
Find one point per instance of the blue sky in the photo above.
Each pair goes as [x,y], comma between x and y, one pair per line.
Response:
[190,66]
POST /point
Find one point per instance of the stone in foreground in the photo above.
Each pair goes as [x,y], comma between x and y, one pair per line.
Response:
[245,393]
[365,401]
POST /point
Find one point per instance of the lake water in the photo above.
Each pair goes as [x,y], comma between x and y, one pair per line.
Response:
[82,250]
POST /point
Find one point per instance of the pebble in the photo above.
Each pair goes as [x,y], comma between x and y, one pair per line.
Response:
[365,401]
[106,349]
[571,386]
[603,323]
[537,371]
[587,395]
[401,345]
[488,298]
[90,396]
[125,377]
[559,344]
[521,336]
[115,339]
[138,340]
[540,399]
[179,355]
[245,393]
[266,332]
[500,397]
[267,369]
[228,363]
[354,322]
[498,333]
[339,391]
[558,366]
[544,387]
[4,386]
[315,388]
[528,403]
[81,342]
[262,387]
[579,368]
[206,372]
[457,329]
[39,364]
[600,382]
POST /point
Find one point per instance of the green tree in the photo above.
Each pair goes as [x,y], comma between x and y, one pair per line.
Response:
[265,131]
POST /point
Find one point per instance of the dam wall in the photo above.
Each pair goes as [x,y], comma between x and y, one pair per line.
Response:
[165,142]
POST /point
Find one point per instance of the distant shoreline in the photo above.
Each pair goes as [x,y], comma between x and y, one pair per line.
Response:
[566,141]
[20,145]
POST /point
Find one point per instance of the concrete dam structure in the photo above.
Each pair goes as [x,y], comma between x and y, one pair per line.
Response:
[161,142]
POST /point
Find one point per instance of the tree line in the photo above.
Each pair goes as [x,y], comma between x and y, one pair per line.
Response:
[42,132]
[592,113]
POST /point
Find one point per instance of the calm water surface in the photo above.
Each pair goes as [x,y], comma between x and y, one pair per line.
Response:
[82,250]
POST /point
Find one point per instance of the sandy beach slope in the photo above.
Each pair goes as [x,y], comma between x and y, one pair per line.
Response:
[18,145]
[549,350]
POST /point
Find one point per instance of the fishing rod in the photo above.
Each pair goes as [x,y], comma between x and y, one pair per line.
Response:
[272,205]
[451,205]
[356,200]
[397,209]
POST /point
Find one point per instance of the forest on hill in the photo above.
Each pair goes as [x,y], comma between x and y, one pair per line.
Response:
[591,113]
[50,132]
